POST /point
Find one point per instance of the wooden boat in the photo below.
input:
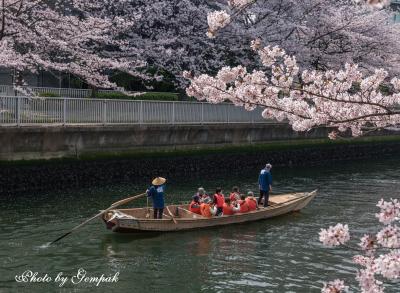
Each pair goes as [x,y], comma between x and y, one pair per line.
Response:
[177,217]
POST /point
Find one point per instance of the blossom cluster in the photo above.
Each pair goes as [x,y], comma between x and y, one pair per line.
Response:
[239,3]
[379,4]
[217,20]
[335,235]
[220,19]
[389,211]
[344,100]
[78,37]
[386,264]
[335,286]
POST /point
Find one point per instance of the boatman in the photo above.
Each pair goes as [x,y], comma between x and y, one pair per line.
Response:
[265,184]
[156,192]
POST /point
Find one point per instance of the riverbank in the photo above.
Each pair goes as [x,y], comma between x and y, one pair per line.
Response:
[102,169]
[76,141]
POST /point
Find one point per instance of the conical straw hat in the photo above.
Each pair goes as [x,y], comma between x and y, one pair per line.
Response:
[159,181]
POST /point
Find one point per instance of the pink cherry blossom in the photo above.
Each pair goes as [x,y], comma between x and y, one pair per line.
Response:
[217,20]
[368,243]
[335,286]
[389,211]
[78,37]
[322,98]
[335,235]
[379,4]
[389,237]
[367,281]
[364,261]
[239,3]
[388,265]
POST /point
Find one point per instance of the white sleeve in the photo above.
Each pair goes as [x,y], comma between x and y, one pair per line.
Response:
[236,209]
[213,210]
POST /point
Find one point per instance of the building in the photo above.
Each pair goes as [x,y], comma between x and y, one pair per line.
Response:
[395,5]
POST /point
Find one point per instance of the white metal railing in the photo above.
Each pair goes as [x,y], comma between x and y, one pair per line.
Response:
[67,111]
[8,90]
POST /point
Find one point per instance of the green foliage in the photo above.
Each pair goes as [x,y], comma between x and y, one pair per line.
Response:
[150,96]
[132,83]
[112,95]
[384,88]
[48,95]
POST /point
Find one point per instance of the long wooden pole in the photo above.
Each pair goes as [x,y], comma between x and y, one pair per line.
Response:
[114,205]
[172,216]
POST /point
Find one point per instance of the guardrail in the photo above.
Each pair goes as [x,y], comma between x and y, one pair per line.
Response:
[8,90]
[68,111]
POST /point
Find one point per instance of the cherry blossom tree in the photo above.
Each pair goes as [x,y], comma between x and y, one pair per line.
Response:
[325,34]
[346,99]
[90,39]
[321,34]
[171,37]
[74,36]
[380,258]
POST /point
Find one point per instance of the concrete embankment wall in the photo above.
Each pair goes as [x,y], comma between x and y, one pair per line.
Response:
[41,142]
[35,177]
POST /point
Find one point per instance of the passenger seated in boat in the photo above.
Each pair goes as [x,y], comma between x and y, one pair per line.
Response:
[244,206]
[194,206]
[206,198]
[207,209]
[251,201]
[235,195]
[219,201]
[201,192]
[229,208]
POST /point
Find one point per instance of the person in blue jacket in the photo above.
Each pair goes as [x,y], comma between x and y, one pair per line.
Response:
[156,192]
[265,184]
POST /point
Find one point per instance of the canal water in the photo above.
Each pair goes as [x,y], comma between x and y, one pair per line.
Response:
[277,255]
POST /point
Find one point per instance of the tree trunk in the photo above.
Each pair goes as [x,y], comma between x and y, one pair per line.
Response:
[94,92]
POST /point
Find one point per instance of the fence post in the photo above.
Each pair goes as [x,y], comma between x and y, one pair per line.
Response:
[104,112]
[173,113]
[18,111]
[141,113]
[202,113]
[64,111]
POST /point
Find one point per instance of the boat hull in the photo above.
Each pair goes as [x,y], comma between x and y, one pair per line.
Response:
[281,204]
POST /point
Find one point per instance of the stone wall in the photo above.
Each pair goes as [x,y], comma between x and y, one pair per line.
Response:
[67,174]
[45,142]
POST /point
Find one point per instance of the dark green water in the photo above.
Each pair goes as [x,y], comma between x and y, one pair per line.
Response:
[277,255]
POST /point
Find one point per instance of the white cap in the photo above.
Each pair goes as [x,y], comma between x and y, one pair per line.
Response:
[268,166]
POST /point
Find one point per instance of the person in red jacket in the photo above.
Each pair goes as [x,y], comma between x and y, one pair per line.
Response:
[244,206]
[194,206]
[207,209]
[219,201]
[235,195]
[229,209]
[251,201]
